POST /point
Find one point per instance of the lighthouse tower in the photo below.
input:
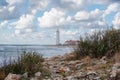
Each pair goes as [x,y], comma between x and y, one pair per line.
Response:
[57,37]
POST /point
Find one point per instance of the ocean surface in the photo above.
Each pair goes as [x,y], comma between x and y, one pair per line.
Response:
[8,52]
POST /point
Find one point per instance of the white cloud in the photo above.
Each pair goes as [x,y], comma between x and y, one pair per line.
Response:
[25,22]
[90,20]
[17,32]
[12,2]
[24,25]
[11,9]
[36,5]
[114,7]
[70,33]
[73,4]
[116,21]
[53,18]
[2,24]
[99,1]
[88,16]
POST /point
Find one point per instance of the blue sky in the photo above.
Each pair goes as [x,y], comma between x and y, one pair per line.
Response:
[36,21]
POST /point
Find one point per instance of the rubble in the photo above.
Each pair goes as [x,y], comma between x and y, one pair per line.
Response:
[61,69]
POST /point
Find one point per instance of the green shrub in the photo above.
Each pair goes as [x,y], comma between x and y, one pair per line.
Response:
[97,45]
[30,62]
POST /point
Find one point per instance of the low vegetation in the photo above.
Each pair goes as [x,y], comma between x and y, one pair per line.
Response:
[30,62]
[105,43]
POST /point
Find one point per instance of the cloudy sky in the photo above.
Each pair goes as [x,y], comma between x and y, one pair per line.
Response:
[36,21]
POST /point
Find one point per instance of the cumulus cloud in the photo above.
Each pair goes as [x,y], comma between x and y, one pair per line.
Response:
[92,19]
[3,23]
[65,14]
[36,5]
[11,10]
[25,24]
[14,2]
[75,4]
[88,16]
[25,21]
[53,18]
[99,1]
[56,17]
[70,33]
[112,8]
[116,21]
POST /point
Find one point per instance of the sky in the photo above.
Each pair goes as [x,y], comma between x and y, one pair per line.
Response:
[36,21]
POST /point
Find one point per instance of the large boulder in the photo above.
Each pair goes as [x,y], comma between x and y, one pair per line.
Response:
[11,76]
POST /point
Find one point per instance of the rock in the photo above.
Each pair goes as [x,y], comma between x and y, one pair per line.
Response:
[113,73]
[69,78]
[25,75]
[79,65]
[34,78]
[90,68]
[103,60]
[115,70]
[57,77]
[96,78]
[117,65]
[91,75]
[37,74]
[11,76]
[73,63]
[64,69]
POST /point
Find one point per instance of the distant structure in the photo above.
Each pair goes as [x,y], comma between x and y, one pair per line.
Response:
[71,42]
[57,37]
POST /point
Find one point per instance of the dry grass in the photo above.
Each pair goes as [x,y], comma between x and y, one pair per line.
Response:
[117,58]
[2,75]
[87,60]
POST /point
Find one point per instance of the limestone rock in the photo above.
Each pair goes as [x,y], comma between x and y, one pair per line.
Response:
[37,74]
[25,75]
[11,76]
[103,60]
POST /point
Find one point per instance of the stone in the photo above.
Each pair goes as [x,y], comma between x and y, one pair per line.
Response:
[91,75]
[34,78]
[25,75]
[69,78]
[57,77]
[79,65]
[11,76]
[37,74]
[117,65]
[64,69]
[115,70]
[91,72]
[113,73]
[74,62]
[103,60]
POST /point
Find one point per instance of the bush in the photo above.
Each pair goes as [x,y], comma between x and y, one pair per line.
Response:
[97,45]
[27,62]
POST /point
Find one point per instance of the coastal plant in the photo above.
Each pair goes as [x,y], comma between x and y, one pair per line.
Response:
[105,43]
[30,62]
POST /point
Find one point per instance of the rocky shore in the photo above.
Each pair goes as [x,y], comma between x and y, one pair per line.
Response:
[60,68]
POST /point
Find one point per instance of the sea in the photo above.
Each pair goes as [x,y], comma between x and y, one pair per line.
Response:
[11,52]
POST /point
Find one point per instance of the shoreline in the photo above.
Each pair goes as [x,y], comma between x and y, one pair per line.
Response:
[63,67]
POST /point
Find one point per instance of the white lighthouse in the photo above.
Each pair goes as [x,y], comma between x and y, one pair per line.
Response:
[57,37]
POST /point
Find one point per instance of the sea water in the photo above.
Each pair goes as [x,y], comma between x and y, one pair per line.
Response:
[8,52]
